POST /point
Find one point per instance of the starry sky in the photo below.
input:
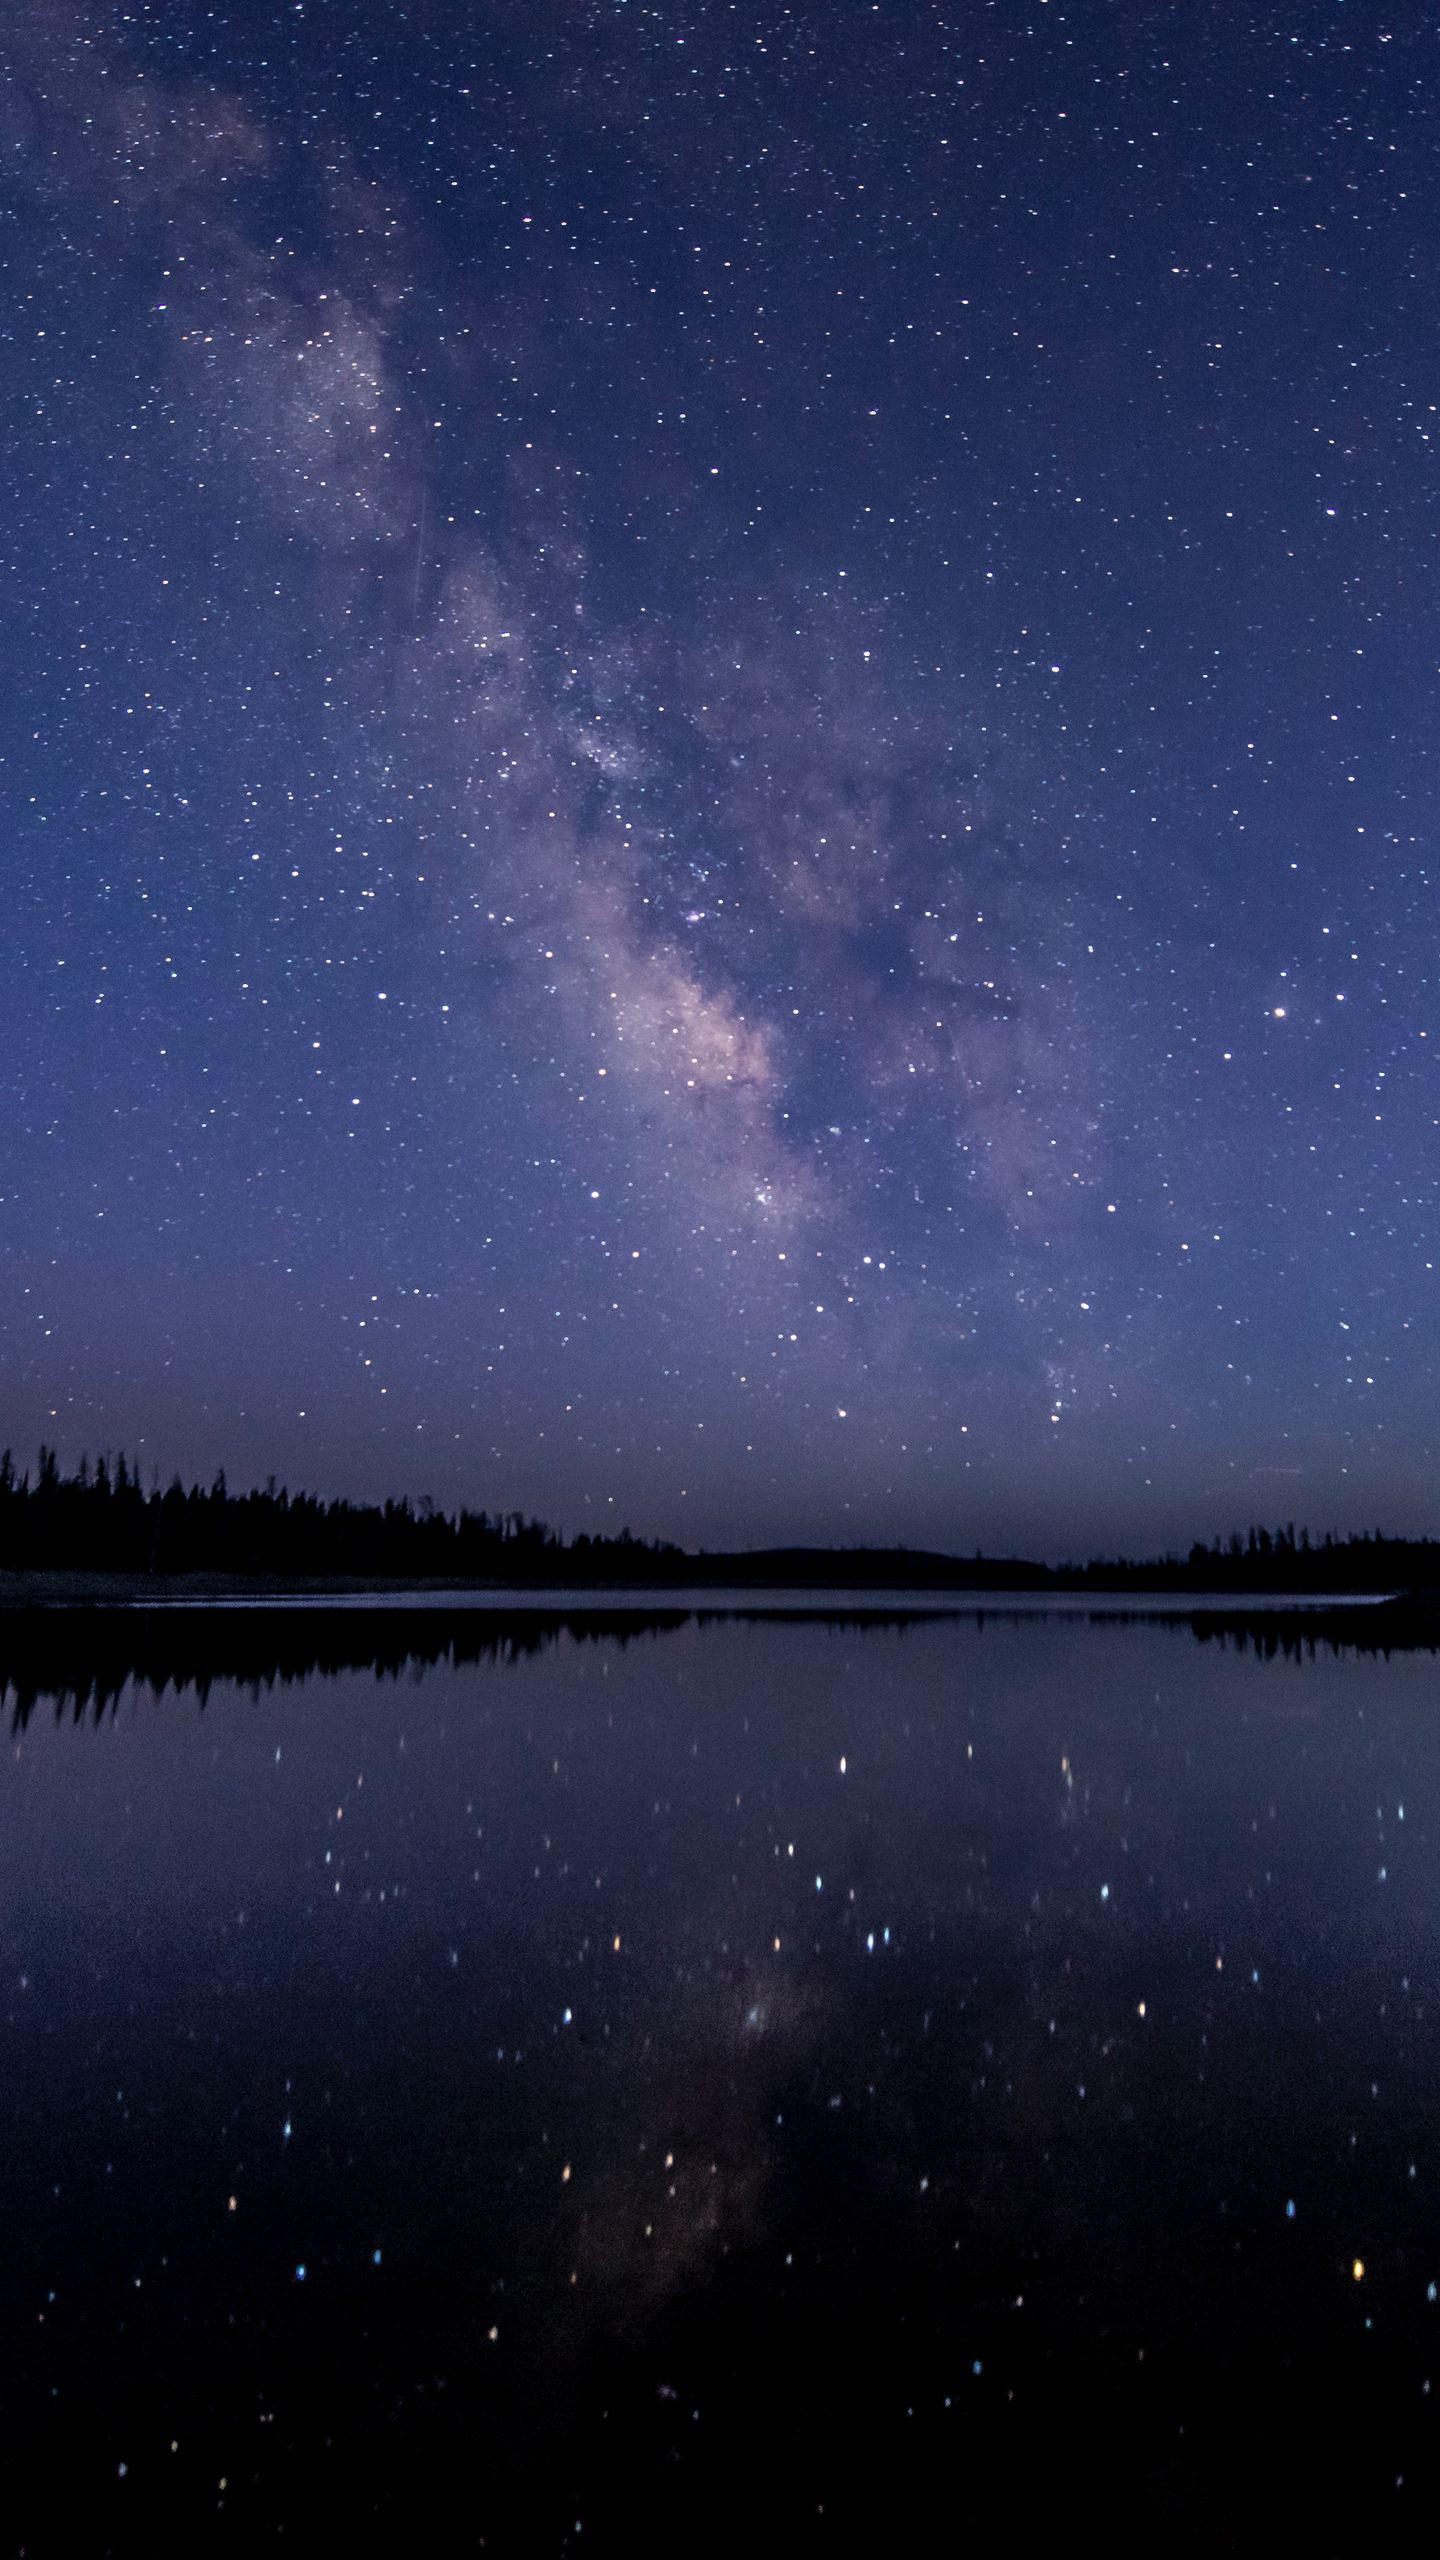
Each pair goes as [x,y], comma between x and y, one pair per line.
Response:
[719,756]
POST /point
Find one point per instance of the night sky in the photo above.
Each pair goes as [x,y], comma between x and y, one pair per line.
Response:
[719,751]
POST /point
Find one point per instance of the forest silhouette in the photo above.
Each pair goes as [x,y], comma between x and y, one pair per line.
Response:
[103,1520]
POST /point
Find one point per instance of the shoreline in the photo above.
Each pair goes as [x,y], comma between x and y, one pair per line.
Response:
[56,1589]
[105,1604]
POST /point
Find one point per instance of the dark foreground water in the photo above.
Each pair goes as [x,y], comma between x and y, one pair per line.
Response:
[825,2084]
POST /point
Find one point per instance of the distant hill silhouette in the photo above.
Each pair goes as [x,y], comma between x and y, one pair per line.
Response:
[102,1521]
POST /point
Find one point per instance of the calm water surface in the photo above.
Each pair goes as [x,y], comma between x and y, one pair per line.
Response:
[801,2079]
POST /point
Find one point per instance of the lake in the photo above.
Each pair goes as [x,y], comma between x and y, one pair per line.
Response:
[599,2085]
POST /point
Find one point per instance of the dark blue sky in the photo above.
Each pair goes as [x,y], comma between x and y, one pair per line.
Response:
[719,758]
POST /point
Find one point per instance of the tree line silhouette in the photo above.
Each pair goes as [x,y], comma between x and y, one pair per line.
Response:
[104,1520]
[1283,1559]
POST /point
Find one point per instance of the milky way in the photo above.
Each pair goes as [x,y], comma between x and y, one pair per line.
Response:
[719,751]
